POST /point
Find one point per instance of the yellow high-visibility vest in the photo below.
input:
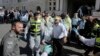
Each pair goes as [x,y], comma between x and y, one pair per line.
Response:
[97,38]
[98,42]
[35,25]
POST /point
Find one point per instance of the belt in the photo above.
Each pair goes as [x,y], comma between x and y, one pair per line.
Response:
[35,34]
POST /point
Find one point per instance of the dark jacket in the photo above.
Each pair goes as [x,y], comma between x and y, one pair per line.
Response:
[88,29]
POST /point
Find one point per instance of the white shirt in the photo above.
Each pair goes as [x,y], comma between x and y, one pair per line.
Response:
[25,17]
[88,42]
[16,14]
[2,13]
[59,31]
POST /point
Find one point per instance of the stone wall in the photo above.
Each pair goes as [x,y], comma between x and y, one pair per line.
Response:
[29,5]
[96,15]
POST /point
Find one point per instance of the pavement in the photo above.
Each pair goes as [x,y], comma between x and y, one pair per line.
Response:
[69,50]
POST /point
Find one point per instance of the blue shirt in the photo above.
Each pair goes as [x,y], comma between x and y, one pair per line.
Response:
[59,31]
[81,24]
[75,21]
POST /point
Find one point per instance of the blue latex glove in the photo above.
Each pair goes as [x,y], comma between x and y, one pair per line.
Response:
[48,49]
[76,31]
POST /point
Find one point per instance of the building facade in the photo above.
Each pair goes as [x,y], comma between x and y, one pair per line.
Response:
[0,3]
[57,6]
[97,5]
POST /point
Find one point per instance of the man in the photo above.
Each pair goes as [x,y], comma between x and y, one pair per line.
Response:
[59,33]
[73,36]
[81,25]
[34,27]
[11,15]
[68,23]
[89,34]
[24,18]
[88,39]
[89,26]
[1,14]
[10,40]
[46,41]
[75,20]
[87,42]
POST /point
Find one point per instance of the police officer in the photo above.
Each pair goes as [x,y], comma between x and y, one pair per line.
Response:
[10,40]
[34,27]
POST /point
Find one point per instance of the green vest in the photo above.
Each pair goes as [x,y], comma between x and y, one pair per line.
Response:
[98,37]
[35,26]
[96,26]
[98,42]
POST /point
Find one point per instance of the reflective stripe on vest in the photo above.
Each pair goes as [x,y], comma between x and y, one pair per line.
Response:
[35,26]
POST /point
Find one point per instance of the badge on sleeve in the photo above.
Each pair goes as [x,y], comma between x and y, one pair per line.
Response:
[9,45]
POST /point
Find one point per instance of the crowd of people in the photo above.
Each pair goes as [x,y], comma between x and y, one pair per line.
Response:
[51,31]
[8,15]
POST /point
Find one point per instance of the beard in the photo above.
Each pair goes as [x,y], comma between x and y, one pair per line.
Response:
[19,32]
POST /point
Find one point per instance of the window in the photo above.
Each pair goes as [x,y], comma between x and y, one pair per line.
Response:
[49,0]
[50,8]
[19,0]
[23,7]
[52,5]
[54,0]
[5,1]
[54,8]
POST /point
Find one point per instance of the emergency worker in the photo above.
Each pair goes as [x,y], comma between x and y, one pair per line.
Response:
[34,29]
